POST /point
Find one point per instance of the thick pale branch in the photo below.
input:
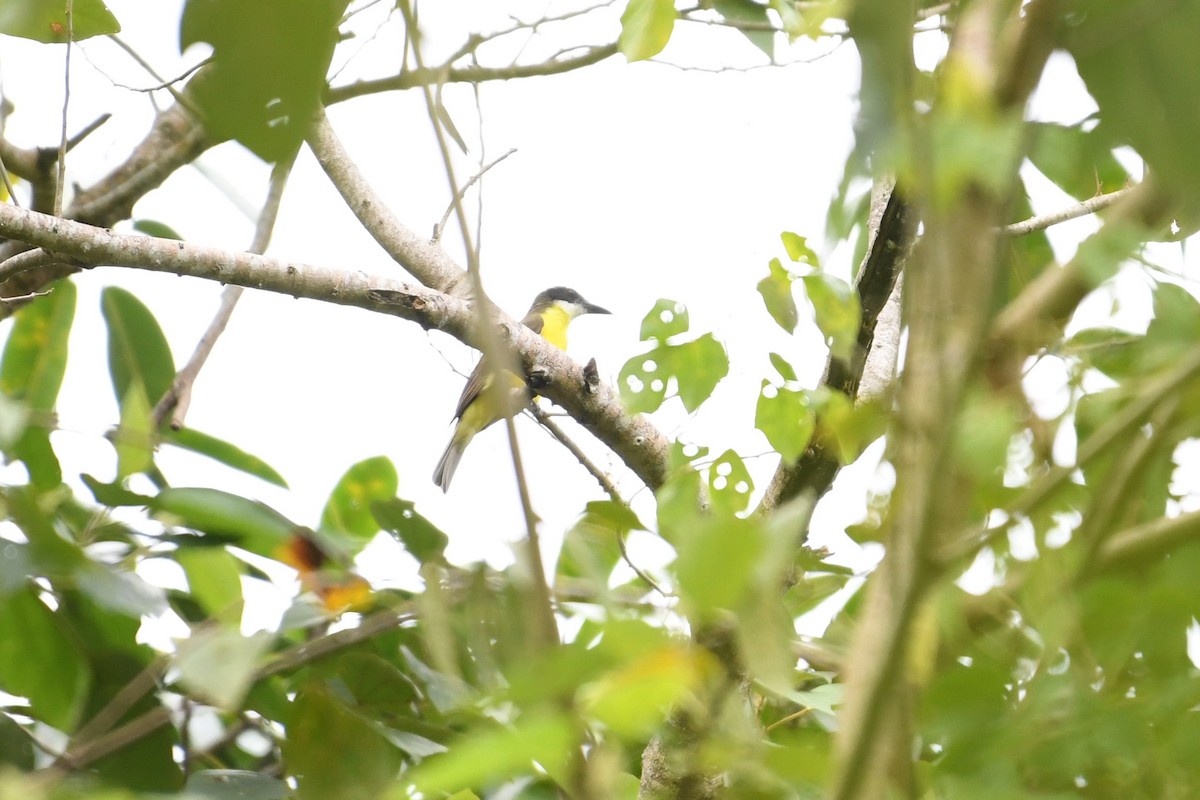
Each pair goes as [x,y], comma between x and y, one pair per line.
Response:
[634,438]
[423,259]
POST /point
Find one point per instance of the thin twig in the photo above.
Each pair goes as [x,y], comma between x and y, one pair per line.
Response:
[62,141]
[1089,206]
[87,131]
[602,478]
[178,397]
[461,194]
[23,297]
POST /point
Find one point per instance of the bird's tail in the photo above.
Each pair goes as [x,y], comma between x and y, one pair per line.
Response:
[444,472]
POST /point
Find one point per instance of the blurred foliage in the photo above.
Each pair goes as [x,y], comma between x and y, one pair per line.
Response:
[1065,671]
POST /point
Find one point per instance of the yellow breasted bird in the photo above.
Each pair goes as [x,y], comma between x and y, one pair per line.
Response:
[480,406]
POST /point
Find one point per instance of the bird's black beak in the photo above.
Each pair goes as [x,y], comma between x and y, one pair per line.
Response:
[592,308]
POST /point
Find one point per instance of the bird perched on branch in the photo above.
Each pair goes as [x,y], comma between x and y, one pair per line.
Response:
[480,405]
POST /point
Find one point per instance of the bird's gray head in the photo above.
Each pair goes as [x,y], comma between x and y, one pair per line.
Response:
[569,299]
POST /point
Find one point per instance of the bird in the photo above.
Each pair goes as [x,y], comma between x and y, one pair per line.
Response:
[480,406]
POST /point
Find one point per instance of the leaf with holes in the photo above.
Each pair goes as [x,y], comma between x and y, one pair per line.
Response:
[729,484]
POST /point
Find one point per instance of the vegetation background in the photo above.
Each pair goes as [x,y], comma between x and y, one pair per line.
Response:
[670,596]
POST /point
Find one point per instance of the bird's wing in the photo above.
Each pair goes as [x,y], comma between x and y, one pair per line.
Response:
[475,384]
[481,373]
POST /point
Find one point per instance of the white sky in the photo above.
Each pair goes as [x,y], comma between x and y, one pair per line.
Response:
[631,182]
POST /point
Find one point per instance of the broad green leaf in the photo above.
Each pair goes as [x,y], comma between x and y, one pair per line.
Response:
[668,318]
[40,661]
[847,427]
[1079,161]
[798,250]
[51,553]
[634,699]
[717,563]
[698,367]
[776,291]
[35,450]
[810,591]
[786,417]
[224,452]
[16,748]
[248,523]
[137,349]
[214,578]
[152,227]
[135,437]
[348,509]
[35,354]
[486,756]
[361,765]
[269,65]
[379,688]
[235,784]
[729,484]
[785,369]
[118,590]
[646,27]
[420,537]
[217,663]
[591,547]
[837,311]
[755,14]
[643,382]
[113,494]
[46,20]
[678,502]
[1132,54]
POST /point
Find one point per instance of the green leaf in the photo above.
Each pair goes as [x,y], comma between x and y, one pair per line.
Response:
[46,20]
[118,590]
[248,523]
[137,349]
[1132,54]
[420,537]
[837,311]
[633,700]
[642,386]
[776,291]
[113,494]
[152,227]
[217,663]
[235,784]
[716,564]
[348,509]
[489,755]
[214,578]
[798,250]
[135,437]
[646,27]
[785,369]
[786,417]
[35,450]
[35,355]
[269,64]
[729,484]
[1079,161]
[52,553]
[748,11]
[223,452]
[40,662]
[698,367]
[591,547]
[668,318]
[359,767]
[16,747]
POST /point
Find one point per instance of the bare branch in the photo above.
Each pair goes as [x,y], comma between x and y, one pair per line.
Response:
[437,229]
[1089,206]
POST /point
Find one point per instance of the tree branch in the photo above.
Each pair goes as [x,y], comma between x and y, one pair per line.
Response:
[596,406]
